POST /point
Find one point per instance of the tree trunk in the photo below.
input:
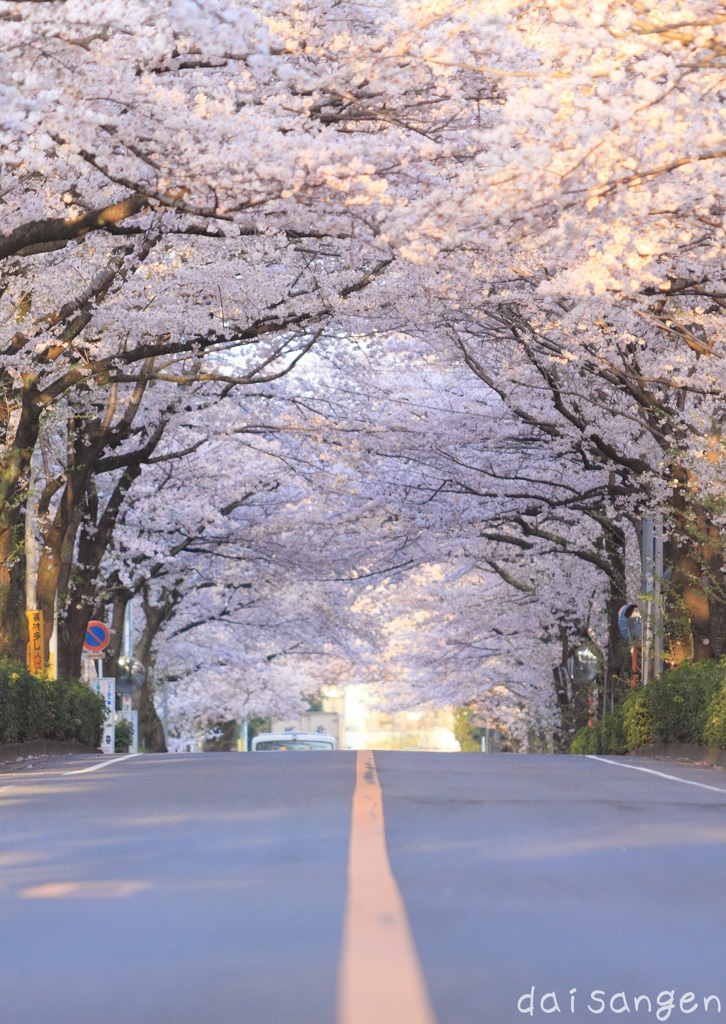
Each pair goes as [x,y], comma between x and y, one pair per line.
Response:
[151,729]
[618,661]
[14,469]
[14,635]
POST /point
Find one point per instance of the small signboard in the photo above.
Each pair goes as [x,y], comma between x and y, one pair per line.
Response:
[106,686]
[97,637]
[36,662]
[108,740]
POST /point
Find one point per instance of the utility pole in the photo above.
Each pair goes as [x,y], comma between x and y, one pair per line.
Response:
[658,596]
[652,587]
[127,640]
[647,587]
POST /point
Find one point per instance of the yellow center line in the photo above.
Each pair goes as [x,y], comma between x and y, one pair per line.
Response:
[380,980]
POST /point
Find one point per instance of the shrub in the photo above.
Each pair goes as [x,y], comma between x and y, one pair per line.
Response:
[607,735]
[714,733]
[636,716]
[679,700]
[683,705]
[34,709]
[604,737]
[22,708]
[85,715]
[586,740]
[124,735]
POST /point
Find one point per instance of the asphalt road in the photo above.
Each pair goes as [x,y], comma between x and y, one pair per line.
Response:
[212,887]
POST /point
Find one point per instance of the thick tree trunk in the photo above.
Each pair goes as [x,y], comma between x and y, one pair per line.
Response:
[151,729]
[72,633]
[13,623]
[618,661]
[14,470]
[85,590]
[49,567]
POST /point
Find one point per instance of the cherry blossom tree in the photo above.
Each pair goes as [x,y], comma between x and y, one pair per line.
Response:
[501,226]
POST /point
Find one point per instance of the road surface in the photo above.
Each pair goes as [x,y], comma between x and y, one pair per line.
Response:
[344,888]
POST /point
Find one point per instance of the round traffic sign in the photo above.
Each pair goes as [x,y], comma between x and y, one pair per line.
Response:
[97,637]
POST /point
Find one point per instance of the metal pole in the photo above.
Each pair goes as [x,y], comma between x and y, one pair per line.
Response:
[658,597]
[128,629]
[647,587]
[165,714]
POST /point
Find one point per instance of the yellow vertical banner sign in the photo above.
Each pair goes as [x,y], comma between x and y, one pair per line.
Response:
[36,663]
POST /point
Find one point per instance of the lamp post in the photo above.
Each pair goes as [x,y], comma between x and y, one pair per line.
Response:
[130,677]
[630,624]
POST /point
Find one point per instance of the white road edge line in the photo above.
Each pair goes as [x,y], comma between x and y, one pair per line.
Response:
[652,771]
[95,767]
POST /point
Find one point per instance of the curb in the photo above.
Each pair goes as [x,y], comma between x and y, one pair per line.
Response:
[35,748]
[688,751]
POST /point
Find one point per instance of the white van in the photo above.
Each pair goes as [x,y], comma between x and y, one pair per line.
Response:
[294,741]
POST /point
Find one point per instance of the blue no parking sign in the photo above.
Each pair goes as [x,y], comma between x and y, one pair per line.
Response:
[97,637]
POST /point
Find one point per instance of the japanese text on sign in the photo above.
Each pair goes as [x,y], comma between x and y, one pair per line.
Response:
[36,662]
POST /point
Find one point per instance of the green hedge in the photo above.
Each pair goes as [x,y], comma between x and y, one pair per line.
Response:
[684,705]
[714,733]
[43,709]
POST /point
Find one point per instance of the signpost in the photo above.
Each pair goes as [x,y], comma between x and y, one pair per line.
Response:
[97,639]
[131,674]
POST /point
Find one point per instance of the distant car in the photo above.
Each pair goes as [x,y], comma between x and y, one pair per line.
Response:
[294,741]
